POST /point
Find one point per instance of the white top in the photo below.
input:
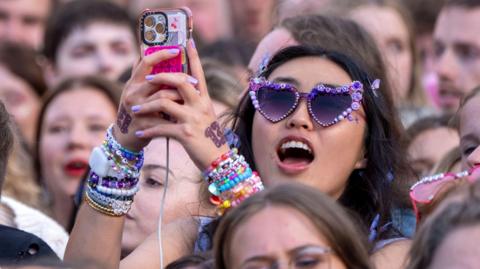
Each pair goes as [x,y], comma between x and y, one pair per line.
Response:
[35,222]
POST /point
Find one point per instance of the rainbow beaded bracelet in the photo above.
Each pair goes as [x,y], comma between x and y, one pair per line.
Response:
[231,180]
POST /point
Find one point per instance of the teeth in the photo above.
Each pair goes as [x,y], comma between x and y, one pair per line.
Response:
[296,144]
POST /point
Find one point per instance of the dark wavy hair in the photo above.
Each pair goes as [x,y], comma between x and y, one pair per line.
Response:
[369,191]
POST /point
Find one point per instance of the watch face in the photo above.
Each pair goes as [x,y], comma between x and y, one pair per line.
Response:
[99,163]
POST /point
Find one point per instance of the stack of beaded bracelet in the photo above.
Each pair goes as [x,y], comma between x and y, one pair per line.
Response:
[109,195]
[111,190]
[126,163]
[231,179]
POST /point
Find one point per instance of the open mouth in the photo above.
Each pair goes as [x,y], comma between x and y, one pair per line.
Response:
[444,92]
[450,94]
[76,168]
[449,97]
[294,151]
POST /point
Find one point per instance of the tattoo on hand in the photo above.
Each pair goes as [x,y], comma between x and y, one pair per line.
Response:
[215,133]
[123,120]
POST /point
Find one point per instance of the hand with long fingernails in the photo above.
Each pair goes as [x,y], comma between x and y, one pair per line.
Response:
[192,121]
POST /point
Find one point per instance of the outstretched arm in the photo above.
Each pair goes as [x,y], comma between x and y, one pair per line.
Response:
[95,241]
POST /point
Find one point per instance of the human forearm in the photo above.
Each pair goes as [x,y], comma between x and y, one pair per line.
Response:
[95,240]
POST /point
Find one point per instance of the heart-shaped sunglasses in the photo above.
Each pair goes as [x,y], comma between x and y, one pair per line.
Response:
[326,105]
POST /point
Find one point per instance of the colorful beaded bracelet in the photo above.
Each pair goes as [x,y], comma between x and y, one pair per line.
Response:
[117,209]
[118,192]
[231,180]
[123,170]
[235,166]
[105,200]
[112,182]
[125,153]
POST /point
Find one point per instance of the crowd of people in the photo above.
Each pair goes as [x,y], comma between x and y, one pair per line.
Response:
[305,134]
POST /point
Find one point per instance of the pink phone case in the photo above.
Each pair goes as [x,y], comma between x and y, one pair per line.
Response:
[174,31]
[172,65]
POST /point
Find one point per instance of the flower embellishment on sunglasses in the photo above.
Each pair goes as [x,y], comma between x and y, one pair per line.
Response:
[327,105]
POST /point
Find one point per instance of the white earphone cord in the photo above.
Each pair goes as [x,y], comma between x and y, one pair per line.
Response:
[162,206]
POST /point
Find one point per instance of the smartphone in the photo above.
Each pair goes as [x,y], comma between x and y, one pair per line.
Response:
[162,29]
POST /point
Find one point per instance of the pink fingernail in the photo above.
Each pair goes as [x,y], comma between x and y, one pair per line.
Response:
[149,77]
[139,133]
[173,51]
[193,43]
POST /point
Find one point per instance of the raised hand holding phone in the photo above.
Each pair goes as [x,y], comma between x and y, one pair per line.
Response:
[194,117]
[147,95]
[164,35]
[189,103]
[139,90]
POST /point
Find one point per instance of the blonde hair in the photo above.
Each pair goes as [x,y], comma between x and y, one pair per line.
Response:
[20,181]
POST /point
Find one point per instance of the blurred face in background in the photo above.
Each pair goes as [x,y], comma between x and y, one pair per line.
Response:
[390,32]
[457,54]
[211,18]
[100,48]
[252,19]
[183,192]
[74,122]
[470,133]
[135,7]
[23,21]
[21,102]
[429,147]
[293,8]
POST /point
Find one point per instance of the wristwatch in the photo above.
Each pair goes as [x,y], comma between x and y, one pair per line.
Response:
[101,165]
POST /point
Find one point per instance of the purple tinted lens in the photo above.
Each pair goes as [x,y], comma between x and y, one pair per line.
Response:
[326,106]
[275,104]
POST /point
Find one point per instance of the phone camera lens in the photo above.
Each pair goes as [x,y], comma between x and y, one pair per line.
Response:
[150,35]
[160,28]
[149,21]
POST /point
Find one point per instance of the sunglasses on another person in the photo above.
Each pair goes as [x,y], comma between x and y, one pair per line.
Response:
[425,191]
[327,105]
